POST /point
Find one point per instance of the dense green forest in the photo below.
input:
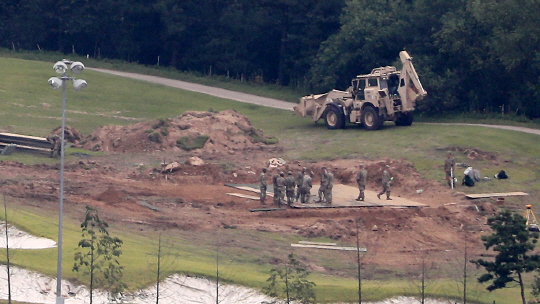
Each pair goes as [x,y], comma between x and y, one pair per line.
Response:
[472,55]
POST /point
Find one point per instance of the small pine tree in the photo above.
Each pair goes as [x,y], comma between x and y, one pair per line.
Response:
[290,282]
[513,243]
[98,256]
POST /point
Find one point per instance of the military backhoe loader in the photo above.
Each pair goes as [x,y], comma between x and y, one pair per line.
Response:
[384,95]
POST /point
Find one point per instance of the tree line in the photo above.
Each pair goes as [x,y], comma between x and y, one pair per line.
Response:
[472,55]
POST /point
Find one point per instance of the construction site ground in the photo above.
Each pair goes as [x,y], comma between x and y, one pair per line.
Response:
[130,189]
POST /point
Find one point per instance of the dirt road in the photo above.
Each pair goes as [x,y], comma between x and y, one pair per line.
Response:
[222,93]
[258,100]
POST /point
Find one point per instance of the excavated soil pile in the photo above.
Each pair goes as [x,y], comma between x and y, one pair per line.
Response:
[225,132]
[475,154]
[71,134]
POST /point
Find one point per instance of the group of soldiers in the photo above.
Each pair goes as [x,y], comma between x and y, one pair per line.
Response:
[292,188]
[361,178]
[285,186]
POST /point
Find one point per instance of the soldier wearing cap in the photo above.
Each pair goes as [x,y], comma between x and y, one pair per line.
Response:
[276,190]
[290,183]
[361,178]
[56,142]
[323,186]
[299,180]
[281,188]
[329,181]
[386,180]
[262,186]
[305,190]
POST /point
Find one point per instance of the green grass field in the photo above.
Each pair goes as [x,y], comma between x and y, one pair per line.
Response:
[29,106]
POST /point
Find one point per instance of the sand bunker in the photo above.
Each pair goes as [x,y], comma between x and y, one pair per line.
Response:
[32,287]
[17,239]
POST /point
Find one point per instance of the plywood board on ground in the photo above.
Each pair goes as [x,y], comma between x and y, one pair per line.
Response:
[486,195]
[244,196]
[344,197]
[266,209]
[253,189]
[317,243]
[329,247]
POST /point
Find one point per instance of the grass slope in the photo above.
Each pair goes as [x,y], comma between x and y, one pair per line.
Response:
[29,106]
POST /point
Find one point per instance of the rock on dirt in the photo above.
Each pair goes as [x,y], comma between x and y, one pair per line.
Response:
[195,161]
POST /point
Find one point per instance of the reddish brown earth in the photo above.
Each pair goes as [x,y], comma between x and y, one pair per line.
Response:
[193,198]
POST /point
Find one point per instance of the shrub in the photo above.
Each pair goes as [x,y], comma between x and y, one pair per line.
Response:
[155,137]
[191,143]
[257,137]
[164,131]
[160,123]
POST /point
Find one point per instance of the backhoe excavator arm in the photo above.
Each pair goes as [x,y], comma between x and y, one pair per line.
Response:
[410,88]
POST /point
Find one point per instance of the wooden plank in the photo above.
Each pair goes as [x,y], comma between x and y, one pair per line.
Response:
[486,195]
[329,247]
[244,196]
[147,205]
[253,190]
[343,197]
[266,209]
[23,136]
[27,149]
[317,243]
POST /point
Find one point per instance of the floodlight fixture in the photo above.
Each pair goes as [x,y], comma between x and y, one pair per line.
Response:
[60,67]
[79,84]
[77,67]
[55,82]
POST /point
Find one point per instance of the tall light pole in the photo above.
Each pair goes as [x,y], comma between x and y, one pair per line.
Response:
[61,67]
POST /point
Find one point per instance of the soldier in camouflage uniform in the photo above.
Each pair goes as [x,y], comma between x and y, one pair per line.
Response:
[361,178]
[329,181]
[299,180]
[281,188]
[305,190]
[449,164]
[276,190]
[290,183]
[323,186]
[262,186]
[386,179]
[56,142]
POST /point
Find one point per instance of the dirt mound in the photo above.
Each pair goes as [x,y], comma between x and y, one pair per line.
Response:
[405,175]
[71,134]
[475,154]
[112,197]
[224,132]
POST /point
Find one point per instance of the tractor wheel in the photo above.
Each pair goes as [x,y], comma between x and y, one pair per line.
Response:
[371,119]
[405,119]
[334,118]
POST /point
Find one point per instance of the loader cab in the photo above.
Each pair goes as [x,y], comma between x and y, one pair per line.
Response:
[373,82]
[358,85]
[372,89]
[393,84]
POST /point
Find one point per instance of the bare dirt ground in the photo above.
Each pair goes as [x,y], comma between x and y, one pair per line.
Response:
[130,187]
